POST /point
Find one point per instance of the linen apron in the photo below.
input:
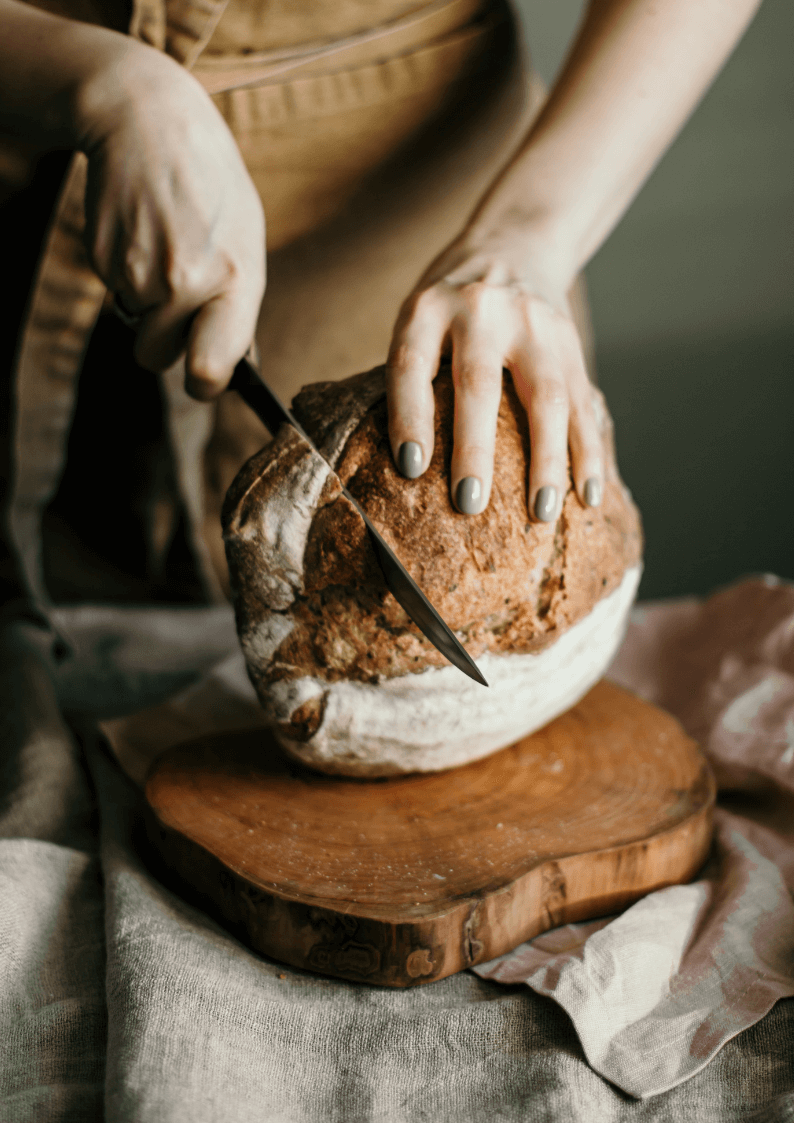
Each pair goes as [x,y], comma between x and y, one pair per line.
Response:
[369,150]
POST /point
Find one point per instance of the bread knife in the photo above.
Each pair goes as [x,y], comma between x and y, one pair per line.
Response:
[273,414]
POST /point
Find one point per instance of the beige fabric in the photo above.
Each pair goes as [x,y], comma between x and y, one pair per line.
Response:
[310,127]
[249,56]
[283,25]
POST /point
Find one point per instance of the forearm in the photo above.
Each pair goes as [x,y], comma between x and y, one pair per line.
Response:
[636,71]
[60,77]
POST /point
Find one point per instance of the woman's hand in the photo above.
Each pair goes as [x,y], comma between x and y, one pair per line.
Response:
[175,226]
[495,306]
[497,295]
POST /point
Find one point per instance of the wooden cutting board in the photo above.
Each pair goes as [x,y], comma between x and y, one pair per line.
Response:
[407,880]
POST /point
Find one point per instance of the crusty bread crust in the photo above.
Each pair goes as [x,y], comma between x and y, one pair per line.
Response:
[505,584]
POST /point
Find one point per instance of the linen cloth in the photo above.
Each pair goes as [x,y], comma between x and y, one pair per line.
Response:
[119,1001]
[655,993]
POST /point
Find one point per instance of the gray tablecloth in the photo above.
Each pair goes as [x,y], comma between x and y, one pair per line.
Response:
[119,1001]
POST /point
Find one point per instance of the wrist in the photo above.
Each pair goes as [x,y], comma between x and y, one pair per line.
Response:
[122,73]
[523,247]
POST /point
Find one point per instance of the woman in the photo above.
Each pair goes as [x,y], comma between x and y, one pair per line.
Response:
[378,141]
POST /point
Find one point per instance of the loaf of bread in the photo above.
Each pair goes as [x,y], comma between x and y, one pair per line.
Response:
[349,683]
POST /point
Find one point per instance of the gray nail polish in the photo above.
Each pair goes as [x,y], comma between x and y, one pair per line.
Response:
[409,459]
[592,492]
[468,496]
[546,503]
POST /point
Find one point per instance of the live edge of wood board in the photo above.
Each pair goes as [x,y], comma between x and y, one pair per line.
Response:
[407,880]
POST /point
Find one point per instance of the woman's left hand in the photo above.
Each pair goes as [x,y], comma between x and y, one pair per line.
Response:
[495,307]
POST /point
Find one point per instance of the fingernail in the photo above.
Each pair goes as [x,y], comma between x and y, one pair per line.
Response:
[409,459]
[546,503]
[468,496]
[592,492]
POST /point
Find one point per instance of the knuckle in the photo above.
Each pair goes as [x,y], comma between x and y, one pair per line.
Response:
[476,380]
[545,323]
[586,439]
[201,391]
[135,267]
[587,446]
[582,414]
[184,275]
[550,396]
[473,453]
[229,273]
[178,279]
[405,358]
[537,314]
[476,296]
[585,414]
[208,374]
[425,303]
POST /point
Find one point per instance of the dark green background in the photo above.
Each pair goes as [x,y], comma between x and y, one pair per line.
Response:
[693,307]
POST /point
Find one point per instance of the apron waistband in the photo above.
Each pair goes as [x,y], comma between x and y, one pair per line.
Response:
[221,74]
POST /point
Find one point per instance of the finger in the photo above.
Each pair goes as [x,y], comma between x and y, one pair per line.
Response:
[215,327]
[477,361]
[584,438]
[220,335]
[162,335]
[539,378]
[136,270]
[412,366]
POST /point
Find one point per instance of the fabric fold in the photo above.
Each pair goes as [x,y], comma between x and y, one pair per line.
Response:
[655,993]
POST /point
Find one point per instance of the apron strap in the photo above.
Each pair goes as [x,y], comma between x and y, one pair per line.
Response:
[220,75]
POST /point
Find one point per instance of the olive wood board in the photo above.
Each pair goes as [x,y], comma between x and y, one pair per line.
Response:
[412,878]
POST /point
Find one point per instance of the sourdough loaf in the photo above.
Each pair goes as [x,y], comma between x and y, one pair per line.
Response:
[349,683]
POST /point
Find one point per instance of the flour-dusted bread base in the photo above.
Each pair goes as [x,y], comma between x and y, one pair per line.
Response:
[347,681]
[440,719]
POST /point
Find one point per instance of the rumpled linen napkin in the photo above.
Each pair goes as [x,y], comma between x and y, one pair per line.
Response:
[655,992]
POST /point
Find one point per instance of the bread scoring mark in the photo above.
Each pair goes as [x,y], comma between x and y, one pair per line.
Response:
[306,719]
[266,521]
[261,642]
[332,411]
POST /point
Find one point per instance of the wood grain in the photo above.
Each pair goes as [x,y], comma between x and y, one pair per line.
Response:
[407,880]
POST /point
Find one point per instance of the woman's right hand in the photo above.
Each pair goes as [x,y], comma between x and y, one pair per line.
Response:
[175,227]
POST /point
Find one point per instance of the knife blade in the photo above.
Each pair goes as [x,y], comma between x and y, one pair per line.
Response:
[273,413]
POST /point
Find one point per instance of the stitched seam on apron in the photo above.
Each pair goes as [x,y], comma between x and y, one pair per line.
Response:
[411,75]
[414,29]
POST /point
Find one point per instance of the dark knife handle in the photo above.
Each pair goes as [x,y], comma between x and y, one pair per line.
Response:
[266,404]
